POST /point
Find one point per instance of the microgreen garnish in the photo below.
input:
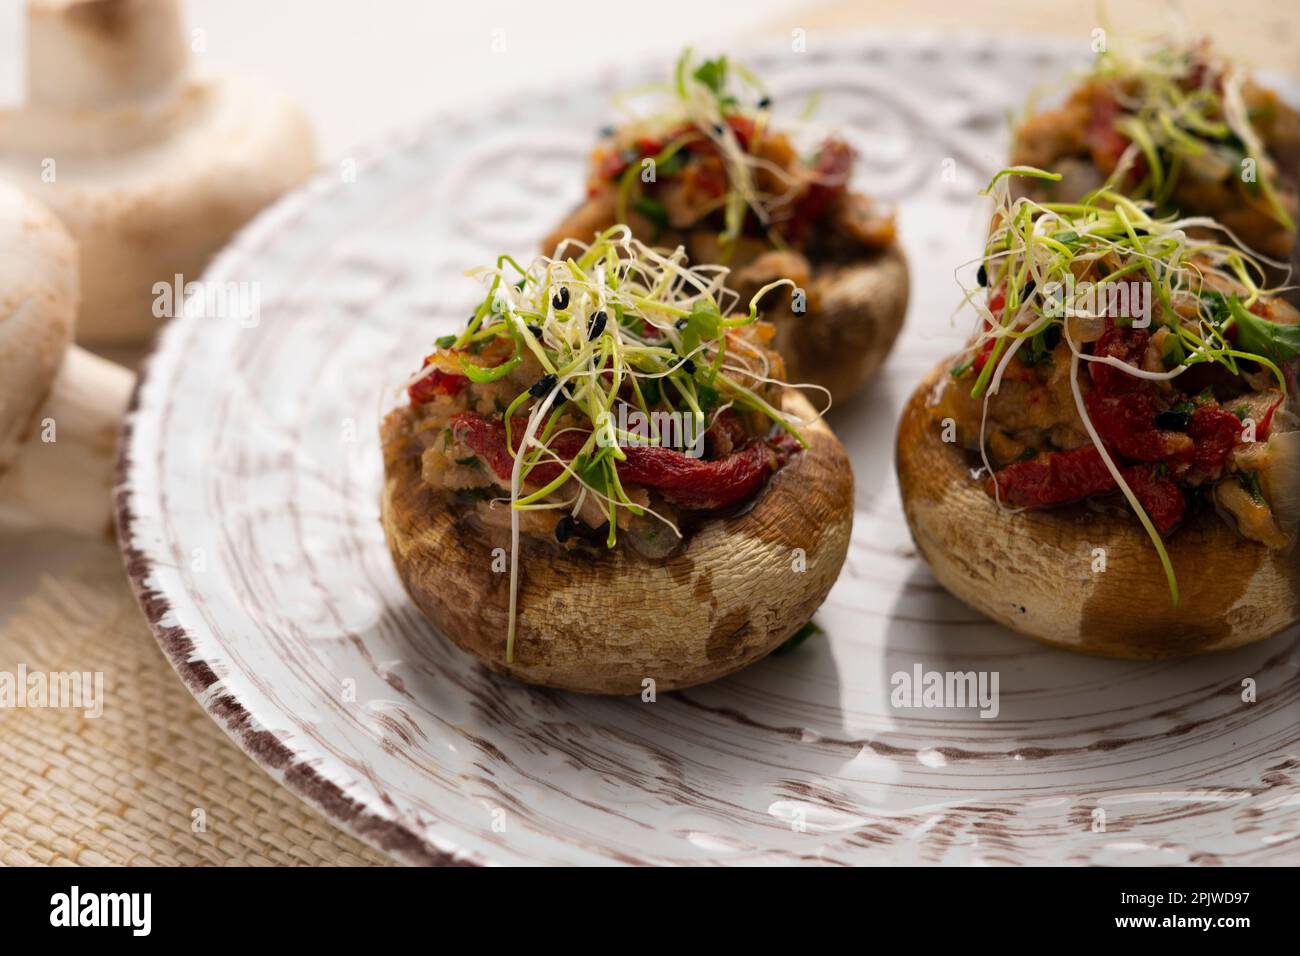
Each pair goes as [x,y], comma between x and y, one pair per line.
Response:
[1200,288]
[614,322]
[1182,107]
[708,102]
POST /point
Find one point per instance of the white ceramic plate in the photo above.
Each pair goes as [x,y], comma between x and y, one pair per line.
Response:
[249,513]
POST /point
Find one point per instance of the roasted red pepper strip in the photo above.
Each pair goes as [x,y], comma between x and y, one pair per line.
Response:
[1126,344]
[1053,478]
[1126,423]
[436,383]
[488,440]
[1123,407]
[691,483]
[1059,477]
[697,484]
[1160,496]
[834,164]
[1215,433]
[1105,143]
[997,302]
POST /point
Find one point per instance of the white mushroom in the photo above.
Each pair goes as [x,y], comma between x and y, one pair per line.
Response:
[60,406]
[151,167]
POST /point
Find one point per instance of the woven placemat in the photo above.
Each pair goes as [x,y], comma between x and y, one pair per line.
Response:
[153,781]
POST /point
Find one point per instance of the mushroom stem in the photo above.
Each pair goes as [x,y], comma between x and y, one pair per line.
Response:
[63,473]
[97,54]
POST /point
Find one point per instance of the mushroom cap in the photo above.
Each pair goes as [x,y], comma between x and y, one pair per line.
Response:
[602,624]
[854,315]
[89,54]
[38,309]
[1033,570]
[151,189]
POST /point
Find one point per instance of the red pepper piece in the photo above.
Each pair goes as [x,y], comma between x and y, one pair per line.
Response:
[696,484]
[1105,143]
[1215,433]
[1123,407]
[1159,495]
[1126,423]
[705,177]
[487,440]
[997,301]
[834,164]
[1059,477]
[1053,478]
[743,127]
[691,483]
[1126,344]
[436,383]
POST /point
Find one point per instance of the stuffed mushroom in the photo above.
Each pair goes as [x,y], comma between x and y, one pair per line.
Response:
[1183,127]
[1113,463]
[604,481]
[709,171]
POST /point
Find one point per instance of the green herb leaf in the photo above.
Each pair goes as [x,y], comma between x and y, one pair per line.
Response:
[1256,335]
[798,637]
[713,74]
[653,210]
[1173,354]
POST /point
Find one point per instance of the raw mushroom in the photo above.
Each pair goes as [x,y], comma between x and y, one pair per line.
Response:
[60,406]
[151,167]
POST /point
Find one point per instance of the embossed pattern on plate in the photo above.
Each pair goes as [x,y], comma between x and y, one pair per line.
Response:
[249,517]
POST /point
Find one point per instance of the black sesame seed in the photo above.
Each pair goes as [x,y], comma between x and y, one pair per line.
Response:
[561,299]
[607,131]
[543,385]
[536,330]
[1173,421]
[765,102]
[717,128]
[982,277]
[689,367]
[597,325]
[1029,290]
[680,324]
[564,528]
